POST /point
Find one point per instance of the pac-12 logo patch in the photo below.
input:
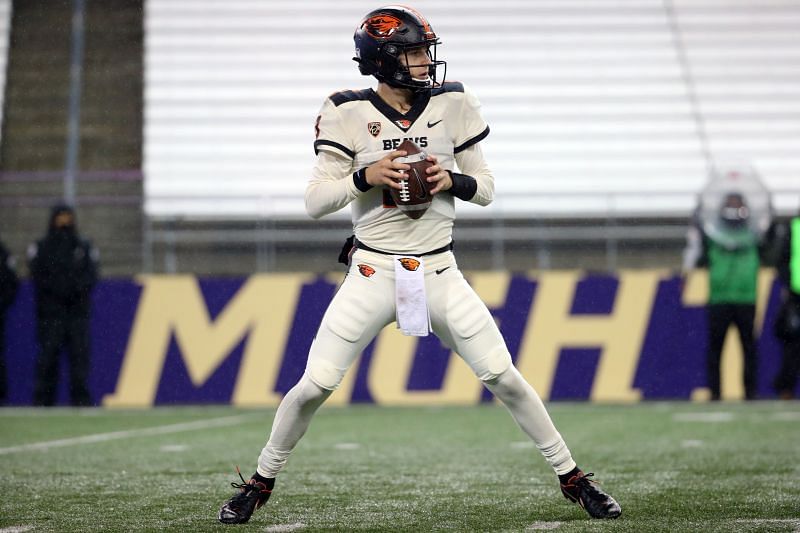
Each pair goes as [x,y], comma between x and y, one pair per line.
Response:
[409,264]
[374,128]
[365,270]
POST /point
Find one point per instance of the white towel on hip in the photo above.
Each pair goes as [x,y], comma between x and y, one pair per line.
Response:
[412,306]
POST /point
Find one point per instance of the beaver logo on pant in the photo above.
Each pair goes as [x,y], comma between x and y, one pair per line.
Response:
[409,264]
[366,270]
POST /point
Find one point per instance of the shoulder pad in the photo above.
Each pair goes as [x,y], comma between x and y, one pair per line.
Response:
[449,87]
[343,97]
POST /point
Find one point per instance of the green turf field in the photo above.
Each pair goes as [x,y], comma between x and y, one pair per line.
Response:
[672,466]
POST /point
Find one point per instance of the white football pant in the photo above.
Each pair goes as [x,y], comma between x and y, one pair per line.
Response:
[362,307]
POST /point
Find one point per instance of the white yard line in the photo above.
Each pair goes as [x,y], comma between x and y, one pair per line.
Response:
[173,448]
[719,416]
[278,528]
[129,433]
[347,446]
[786,416]
[543,526]
[759,522]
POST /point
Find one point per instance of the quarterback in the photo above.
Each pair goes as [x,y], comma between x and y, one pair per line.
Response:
[400,269]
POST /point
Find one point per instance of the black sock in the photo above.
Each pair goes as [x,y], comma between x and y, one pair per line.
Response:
[269,482]
[563,478]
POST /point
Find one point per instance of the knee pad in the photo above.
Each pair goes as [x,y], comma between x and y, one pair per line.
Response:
[496,363]
[324,374]
[509,386]
[311,392]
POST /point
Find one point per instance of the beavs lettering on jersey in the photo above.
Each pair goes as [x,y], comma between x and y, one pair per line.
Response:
[366,270]
[409,263]
[392,144]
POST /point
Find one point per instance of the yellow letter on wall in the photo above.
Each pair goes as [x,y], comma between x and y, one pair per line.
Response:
[620,334]
[174,304]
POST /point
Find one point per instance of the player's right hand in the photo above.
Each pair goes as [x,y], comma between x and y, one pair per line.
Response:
[385,171]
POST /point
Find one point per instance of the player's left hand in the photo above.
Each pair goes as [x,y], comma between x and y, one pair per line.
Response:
[439,176]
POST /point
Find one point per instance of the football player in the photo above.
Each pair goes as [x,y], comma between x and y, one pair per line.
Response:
[401,269]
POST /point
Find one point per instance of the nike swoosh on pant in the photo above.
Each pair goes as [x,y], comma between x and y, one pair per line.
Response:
[439,271]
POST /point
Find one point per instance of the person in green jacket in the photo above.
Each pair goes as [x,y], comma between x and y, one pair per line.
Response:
[731,251]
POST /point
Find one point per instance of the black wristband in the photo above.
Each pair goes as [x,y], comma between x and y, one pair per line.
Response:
[464,187]
[360,180]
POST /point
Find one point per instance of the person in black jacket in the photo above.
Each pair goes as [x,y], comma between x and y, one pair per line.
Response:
[64,269]
[9,283]
[788,324]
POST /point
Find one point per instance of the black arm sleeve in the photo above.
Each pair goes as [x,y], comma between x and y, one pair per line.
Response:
[464,187]
[360,180]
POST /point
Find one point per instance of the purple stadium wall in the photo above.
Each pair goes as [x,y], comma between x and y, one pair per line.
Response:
[159,340]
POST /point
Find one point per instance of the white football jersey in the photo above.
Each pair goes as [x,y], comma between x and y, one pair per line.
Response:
[359,128]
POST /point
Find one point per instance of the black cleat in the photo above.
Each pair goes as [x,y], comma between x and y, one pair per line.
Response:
[585,492]
[240,507]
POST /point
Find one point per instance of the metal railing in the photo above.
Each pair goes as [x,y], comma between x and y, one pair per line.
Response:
[608,222]
[611,224]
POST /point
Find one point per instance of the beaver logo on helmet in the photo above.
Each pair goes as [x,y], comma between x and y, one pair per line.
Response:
[381,26]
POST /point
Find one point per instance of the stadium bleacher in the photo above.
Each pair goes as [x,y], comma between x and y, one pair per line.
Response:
[5,26]
[595,106]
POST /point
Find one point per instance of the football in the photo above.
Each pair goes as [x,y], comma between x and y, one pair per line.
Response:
[415,197]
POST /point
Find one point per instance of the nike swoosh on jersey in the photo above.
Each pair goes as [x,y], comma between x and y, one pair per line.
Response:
[440,270]
[432,124]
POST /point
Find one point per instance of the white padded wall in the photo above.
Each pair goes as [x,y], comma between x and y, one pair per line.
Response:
[745,60]
[5,30]
[586,99]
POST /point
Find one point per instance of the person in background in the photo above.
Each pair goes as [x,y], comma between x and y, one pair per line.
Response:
[788,324]
[732,252]
[9,283]
[64,269]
